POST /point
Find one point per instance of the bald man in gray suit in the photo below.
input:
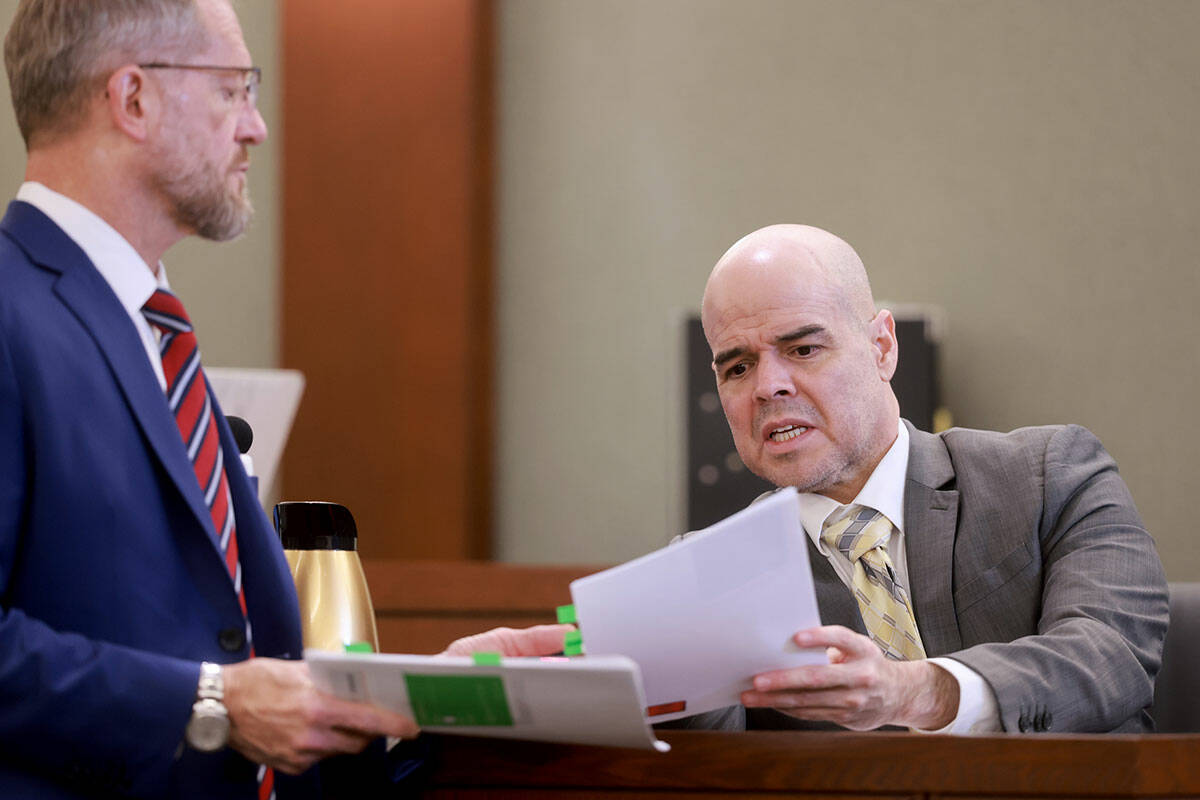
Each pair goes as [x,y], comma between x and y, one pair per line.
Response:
[1038,600]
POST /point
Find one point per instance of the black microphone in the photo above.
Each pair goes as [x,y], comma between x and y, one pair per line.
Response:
[244,437]
[241,433]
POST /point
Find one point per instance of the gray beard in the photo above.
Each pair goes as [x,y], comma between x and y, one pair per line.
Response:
[206,205]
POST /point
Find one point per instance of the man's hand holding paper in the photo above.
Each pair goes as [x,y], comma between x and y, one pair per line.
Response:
[703,616]
[859,688]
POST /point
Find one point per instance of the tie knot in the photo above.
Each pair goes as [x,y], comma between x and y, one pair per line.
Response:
[164,311]
[858,532]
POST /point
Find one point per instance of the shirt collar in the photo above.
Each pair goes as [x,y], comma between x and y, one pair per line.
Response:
[883,491]
[112,255]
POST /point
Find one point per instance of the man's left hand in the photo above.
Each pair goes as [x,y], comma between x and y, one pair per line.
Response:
[859,689]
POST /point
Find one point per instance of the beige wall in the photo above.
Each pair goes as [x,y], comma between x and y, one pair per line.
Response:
[230,289]
[1030,165]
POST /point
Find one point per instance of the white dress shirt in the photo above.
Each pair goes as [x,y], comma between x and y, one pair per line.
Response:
[130,278]
[978,711]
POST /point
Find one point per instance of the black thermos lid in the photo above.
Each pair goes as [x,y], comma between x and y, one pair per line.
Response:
[315,525]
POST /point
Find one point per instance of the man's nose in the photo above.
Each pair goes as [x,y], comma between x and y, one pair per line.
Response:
[773,379]
[252,128]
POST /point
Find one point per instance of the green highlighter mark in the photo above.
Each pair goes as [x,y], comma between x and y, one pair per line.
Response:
[458,700]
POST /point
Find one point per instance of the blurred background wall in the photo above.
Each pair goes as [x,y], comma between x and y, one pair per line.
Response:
[1028,165]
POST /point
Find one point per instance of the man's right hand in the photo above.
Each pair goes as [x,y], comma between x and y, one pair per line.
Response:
[859,688]
[279,717]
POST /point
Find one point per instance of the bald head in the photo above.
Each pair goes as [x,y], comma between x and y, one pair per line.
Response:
[809,254]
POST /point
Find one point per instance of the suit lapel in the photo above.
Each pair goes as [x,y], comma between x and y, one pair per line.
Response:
[930,518]
[84,291]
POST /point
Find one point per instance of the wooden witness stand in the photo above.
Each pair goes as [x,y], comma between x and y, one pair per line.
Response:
[821,766]
[422,606]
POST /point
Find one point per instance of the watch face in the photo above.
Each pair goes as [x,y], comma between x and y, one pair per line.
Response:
[208,729]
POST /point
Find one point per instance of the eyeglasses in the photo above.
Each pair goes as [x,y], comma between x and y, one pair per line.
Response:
[252,77]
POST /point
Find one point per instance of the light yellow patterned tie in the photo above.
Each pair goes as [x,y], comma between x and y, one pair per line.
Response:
[862,537]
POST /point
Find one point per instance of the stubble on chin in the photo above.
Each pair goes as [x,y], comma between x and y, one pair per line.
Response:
[218,216]
[805,480]
[806,475]
[202,201]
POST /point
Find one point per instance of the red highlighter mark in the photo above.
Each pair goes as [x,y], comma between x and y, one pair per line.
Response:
[666,708]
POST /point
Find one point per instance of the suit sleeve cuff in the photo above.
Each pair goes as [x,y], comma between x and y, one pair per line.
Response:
[978,711]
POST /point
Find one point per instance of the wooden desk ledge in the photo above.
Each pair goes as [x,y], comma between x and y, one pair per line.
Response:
[805,763]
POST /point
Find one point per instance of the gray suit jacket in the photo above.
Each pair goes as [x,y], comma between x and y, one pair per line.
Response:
[1027,562]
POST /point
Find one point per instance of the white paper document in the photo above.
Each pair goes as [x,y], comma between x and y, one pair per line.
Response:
[595,701]
[703,616]
[267,399]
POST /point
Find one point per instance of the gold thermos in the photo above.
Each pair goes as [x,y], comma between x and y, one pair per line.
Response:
[320,542]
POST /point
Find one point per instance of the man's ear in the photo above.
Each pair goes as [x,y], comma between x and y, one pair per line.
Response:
[130,105]
[886,349]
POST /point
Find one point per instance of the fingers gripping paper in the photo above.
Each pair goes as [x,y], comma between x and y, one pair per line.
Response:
[703,616]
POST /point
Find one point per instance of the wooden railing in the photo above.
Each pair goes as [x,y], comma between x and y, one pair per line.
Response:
[421,606]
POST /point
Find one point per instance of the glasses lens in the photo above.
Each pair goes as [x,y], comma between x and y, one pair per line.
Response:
[253,79]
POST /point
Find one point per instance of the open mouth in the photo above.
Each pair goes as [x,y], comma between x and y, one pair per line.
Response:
[786,433]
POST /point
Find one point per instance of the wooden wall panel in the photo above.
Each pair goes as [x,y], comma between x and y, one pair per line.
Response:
[386,284]
[422,606]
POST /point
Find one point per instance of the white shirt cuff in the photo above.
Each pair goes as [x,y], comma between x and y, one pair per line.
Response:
[978,711]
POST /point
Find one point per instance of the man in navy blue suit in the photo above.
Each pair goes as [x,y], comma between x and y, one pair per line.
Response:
[136,656]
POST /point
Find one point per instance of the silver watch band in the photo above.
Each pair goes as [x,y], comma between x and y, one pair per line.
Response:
[208,728]
[211,685]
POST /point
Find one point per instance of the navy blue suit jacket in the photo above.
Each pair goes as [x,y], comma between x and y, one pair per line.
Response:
[112,589]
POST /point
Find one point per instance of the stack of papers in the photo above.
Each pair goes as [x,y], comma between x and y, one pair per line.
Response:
[577,700]
[703,616]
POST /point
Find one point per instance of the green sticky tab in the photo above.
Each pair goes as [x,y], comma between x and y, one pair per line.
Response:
[572,643]
[486,659]
[573,650]
[458,700]
[359,647]
[566,614]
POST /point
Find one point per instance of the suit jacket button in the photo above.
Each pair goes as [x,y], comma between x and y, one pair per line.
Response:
[232,640]
[1048,721]
[1023,723]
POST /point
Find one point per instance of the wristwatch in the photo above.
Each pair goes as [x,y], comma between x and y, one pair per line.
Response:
[208,729]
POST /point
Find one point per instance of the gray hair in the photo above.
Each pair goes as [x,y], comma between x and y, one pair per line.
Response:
[58,52]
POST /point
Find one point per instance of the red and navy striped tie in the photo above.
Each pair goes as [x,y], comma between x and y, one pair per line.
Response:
[190,402]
